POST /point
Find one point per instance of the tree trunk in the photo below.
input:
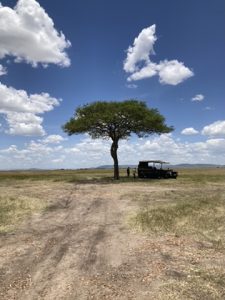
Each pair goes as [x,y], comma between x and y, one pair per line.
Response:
[114,148]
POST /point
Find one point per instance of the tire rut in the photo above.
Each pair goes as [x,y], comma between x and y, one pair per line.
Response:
[36,268]
[59,252]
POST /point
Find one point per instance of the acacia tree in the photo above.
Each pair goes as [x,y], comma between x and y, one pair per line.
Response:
[116,121]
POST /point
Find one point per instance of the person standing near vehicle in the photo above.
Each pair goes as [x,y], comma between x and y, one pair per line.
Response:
[128,171]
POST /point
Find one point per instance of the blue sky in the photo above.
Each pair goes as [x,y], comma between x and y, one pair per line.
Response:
[55,56]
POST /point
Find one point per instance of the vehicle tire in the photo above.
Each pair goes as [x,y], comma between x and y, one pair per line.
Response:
[141,175]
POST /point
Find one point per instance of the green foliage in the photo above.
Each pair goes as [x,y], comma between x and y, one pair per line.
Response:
[116,120]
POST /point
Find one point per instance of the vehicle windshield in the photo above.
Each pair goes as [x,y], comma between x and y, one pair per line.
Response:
[152,164]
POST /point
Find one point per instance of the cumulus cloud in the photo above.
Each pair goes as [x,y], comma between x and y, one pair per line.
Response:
[142,48]
[198,97]
[3,70]
[145,72]
[173,72]
[21,110]
[26,124]
[139,65]
[189,131]
[53,139]
[218,144]
[19,101]
[89,153]
[215,129]
[28,34]
[83,154]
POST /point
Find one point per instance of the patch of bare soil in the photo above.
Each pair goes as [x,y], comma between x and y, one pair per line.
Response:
[82,248]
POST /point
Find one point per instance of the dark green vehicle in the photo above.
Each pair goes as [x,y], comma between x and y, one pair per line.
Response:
[154,169]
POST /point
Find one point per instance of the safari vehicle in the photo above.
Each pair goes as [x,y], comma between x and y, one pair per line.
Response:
[154,169]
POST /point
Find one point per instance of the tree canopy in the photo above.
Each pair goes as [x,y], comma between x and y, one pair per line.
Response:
[115,121]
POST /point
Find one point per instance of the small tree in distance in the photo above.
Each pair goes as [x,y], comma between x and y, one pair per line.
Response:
[116,121]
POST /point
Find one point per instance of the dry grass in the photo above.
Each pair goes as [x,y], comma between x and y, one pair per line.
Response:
[200,214]
[14,209]
[198,285]
[21,198]
[191,214]
[57,175]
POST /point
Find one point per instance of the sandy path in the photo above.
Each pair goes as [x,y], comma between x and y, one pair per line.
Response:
[80,249]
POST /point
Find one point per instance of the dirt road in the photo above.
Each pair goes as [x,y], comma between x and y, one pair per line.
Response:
[81,248]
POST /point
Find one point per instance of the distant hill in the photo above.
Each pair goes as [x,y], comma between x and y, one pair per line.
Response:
[111,166]
[196,166]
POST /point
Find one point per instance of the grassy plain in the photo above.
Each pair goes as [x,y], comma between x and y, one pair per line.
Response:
[179,224]
[193,211]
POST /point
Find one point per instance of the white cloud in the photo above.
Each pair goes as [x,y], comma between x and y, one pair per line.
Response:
[173,72]
[215,129]
[139,65]
[94,146]
[3,70]
[39,149]
[142,48]
[59,160]
[72,150]
[217,145]
[198,97]
[19,101]
[208,108]
[11,149]
[26,124]
[21,110]
[89,153]
[28,34]
[147,71]
[53,139]
[189,131]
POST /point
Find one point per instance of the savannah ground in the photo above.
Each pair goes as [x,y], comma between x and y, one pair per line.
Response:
[80,235]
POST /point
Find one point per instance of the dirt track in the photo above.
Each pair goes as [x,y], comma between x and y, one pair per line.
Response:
[81,248]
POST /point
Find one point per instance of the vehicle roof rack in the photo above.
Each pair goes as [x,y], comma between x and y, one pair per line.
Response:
[155,161]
